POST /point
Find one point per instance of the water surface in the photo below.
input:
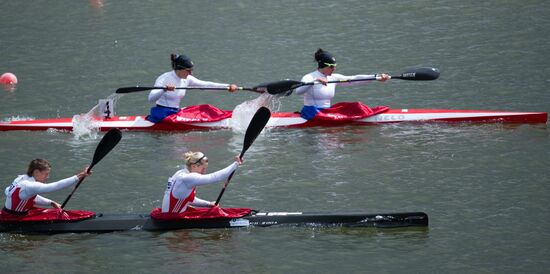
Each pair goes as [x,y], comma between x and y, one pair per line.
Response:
[485,187]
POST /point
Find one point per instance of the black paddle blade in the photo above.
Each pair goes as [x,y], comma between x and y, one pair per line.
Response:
[256,126]
[279,86]
[420,74]
[109,141]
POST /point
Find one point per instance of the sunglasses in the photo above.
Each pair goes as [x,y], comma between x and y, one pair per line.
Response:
[330,65]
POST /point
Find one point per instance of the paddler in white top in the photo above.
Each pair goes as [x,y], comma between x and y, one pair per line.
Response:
[318,97]
[168,99]
[181,188]
[22,194]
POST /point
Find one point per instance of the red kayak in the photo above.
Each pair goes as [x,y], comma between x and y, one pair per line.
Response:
[287,119]
[207,117]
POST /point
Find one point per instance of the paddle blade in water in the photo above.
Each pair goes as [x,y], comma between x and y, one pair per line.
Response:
[256,126]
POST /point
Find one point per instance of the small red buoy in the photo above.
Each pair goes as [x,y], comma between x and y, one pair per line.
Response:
[8,78]
[97,4]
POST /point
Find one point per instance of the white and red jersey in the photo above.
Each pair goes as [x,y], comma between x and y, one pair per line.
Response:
[181,188]
[22,194]
[18,204]
[319,95]
[172,98]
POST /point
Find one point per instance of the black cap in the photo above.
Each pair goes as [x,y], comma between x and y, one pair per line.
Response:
[181,62]
[324,58]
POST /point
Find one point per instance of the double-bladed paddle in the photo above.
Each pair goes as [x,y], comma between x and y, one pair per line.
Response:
[258,89]
[418,74]
[256,125]
[107,143]
[280,87]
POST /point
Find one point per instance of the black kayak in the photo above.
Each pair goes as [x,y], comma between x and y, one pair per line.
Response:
[102,223]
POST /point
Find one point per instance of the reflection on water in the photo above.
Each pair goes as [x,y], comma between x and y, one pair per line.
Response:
[193,240]
[328,141]
[25,243]
[96,4]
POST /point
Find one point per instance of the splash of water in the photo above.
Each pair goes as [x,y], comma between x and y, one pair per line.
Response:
[243,113]
[87,125]
[18,118]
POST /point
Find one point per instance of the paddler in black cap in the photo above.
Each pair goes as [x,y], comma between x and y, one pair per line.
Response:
[167,100]
[319,96]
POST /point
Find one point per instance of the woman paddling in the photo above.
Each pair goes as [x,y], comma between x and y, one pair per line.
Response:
[168,99]
[318,97]
[22,194]
[180,191]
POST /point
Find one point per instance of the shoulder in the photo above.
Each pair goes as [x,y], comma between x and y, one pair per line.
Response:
[26,184]
[192,78]
[166,74]
[163,77]
[187,179]
[310,76]
[181,173]
[23,180]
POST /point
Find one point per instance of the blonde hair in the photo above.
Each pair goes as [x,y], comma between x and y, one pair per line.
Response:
[191,158]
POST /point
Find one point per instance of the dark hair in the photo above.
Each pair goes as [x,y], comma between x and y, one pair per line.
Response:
[323,58]
[38,164]
[180,62]
[317,55]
